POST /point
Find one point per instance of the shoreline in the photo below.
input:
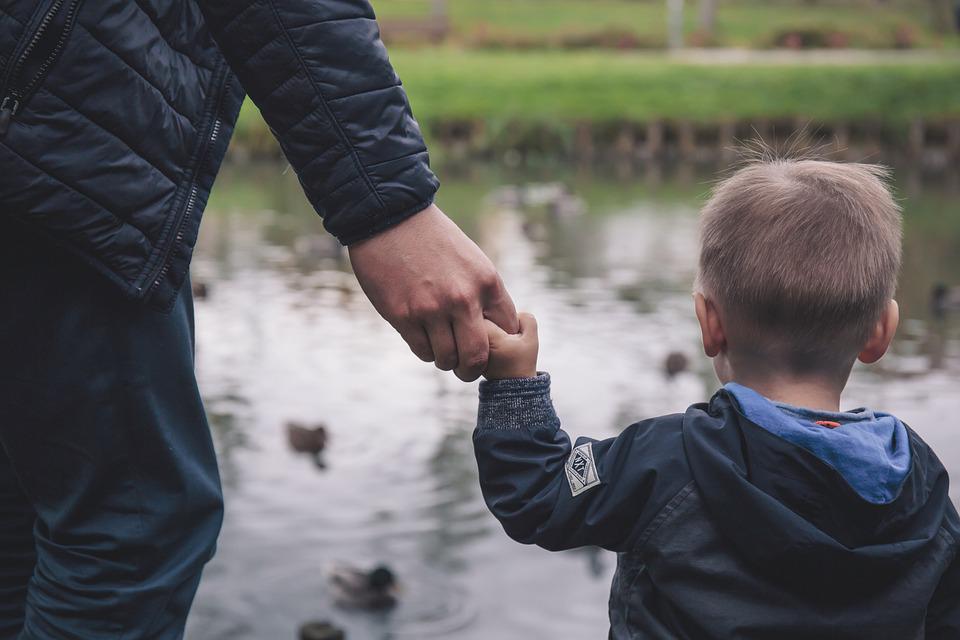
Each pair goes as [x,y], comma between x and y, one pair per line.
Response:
[692,105]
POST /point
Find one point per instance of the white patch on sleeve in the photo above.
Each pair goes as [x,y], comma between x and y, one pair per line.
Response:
[581,470]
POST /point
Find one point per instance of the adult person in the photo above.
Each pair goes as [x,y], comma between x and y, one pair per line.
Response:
[115,116]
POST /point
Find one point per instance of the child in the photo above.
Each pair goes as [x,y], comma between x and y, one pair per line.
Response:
[766,512]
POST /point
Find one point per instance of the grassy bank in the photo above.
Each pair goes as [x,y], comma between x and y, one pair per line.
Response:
[745,23]
[559,89]
[604,86]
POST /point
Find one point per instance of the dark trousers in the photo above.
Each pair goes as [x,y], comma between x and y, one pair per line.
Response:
[110,501]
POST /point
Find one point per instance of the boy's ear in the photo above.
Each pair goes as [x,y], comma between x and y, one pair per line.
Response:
[711,327]
[882,335]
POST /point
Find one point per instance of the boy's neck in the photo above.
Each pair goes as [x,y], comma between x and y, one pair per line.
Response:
[808,393]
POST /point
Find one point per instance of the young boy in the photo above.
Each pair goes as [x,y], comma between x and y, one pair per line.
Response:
[767,512]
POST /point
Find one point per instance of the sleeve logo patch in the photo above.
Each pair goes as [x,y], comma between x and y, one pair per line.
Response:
[581,470]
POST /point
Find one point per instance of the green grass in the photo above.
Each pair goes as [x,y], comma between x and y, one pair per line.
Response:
[561,88]
[450,84]
[739,22]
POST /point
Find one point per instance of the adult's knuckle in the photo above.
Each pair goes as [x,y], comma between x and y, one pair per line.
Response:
[458,298]
[405,314]
[489,281]
[424,308]
[465,303]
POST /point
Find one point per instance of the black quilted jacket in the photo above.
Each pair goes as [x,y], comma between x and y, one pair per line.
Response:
[724,530]
[116,114]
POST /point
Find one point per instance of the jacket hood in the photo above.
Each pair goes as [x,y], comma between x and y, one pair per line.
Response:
[870,450]
[794,515]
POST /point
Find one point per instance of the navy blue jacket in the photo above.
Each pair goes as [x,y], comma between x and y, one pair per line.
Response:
[116,114]
[723,529]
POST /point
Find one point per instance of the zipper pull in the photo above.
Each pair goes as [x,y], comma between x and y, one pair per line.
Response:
[8,109]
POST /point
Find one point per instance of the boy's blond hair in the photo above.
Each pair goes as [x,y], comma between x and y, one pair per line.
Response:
[801,256]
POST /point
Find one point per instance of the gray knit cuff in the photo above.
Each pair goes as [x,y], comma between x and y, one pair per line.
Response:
[517,403]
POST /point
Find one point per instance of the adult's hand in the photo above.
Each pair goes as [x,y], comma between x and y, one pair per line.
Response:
[435,286]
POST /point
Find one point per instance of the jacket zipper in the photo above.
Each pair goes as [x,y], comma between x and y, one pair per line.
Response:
[191,203]
[17,93]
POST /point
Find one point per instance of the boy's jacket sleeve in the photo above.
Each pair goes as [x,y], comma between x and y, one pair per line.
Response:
[547,492]
[323,82]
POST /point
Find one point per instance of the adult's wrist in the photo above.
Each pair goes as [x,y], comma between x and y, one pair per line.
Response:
[354,237]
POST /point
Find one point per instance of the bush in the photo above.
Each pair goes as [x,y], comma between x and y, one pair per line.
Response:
[701,38]
[811,38]
[608,39]
[485,37]
[905,36]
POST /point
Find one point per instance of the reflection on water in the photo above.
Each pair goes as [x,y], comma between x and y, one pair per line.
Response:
[606,264]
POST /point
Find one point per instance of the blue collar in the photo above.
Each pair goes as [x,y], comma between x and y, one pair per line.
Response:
[870,450]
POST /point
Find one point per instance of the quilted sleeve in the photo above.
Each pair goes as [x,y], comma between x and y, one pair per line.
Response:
[320,75]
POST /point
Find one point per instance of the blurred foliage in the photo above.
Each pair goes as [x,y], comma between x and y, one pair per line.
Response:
[642,23]
[526,73]
[536,100]
[595,86]
[562,88]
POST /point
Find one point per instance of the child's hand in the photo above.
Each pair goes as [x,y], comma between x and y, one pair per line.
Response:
[513,356]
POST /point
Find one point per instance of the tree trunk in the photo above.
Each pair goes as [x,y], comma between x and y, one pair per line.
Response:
[708,17]
[943,15]
[675,24]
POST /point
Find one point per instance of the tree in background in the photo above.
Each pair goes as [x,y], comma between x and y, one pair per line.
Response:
[708,18]
[675,24]
[944,15]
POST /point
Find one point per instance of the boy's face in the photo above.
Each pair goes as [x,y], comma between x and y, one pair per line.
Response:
[717,347]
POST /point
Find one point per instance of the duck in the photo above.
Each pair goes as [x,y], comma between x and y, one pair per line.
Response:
[321,630]
[312,440]
[533,231]
[595,560]
[373,590]
[305,439]
[944,300]
[201,290]
[675,364]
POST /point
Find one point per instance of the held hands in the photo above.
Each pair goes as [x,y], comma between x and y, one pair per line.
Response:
[436,287]
[513,355]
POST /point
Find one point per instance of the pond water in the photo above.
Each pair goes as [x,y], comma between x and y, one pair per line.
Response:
[605,261]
